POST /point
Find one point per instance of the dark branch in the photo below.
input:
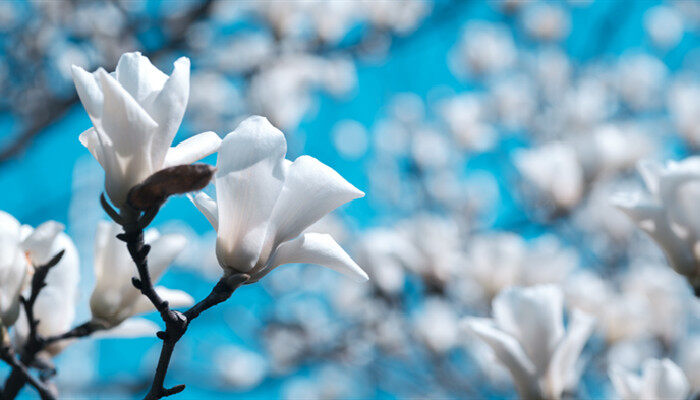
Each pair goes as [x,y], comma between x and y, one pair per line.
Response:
[34,343]
[176,322]
[19,369]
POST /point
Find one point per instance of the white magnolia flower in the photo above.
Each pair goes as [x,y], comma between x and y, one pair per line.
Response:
[56,303]
[527,335]
[264,203]
[660,380]
[13,269]
[114,298]
[240,368]
[664,25]
[437,325]
[555,171]
[136,112]
[668,214]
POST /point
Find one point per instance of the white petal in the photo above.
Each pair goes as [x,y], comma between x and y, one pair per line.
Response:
[207,206]
[627,385]
[164,250]
[534,316]
[193,149]
[131,328]
[102,239]
[8,224]
[139,76]
[175,298]
[250,176]
[315,248]
[510,353]
[89,91]
[90,140]
[563,363]
[653,220]
[40,242]
[662,379]
[131,132]
[311,190]
[650,172]
[168,108]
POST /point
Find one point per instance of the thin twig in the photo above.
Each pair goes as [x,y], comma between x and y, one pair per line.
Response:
[176,322]
[8,356]
[34,343]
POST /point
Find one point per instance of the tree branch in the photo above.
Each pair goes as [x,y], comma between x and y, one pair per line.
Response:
[34,344]
[176,323]
[20,370]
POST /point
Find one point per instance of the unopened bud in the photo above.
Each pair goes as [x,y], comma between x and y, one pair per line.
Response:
[179,179]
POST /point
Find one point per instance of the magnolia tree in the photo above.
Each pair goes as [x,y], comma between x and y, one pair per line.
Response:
[263,205]
[518,250]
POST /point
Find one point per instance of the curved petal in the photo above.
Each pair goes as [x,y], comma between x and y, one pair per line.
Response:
[168,107]
[627,385]
[175,299]
[193,149]
[139,76]
[314,248]
[534,316]
[102,239]
[89,91]
[662,379]
[510,353]
[164,250]
[652,219]
[130,130]
[131,328]
[563,363]
[40,242]
[90,140]
[311,190]
[249,179]
[650,170]
[207,206]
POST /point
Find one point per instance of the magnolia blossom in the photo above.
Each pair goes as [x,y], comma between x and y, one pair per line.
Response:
[668,214]
[554,170]
[660,380]
[437,325]
[136,112]
[56,303]
[114,298]
[13,269]
[264,203]
[527,335]
[240,368]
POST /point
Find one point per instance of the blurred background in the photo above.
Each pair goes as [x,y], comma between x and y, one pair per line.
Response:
[489,137]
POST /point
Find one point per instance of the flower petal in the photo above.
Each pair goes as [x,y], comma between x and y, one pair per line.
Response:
[314,248]
[311,190]
[89,91]
[627,385]
[175,298]
[193,149]
[207,206]
[563,363]
[534,316]
[139,76]
[168,108]
[131,328]
[249,180]
[131,131]
[510,353]
[662,379]
[164,250]
[40,242]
